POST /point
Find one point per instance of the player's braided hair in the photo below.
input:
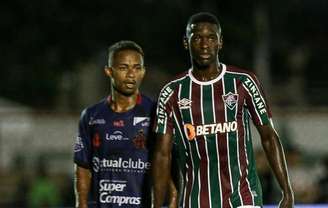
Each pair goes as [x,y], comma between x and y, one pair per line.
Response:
[123,45]
[202,17]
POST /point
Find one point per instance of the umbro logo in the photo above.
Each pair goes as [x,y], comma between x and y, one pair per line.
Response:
[184,103]
[230,100]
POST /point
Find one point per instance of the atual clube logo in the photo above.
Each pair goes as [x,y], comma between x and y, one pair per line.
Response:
[95,162]
[120,165]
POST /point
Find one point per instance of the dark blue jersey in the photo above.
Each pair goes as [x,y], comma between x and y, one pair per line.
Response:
[114,146]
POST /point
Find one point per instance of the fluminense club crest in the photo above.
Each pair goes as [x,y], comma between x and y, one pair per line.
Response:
[230,100]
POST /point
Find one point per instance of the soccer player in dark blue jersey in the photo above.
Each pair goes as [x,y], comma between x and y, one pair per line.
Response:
[111,151]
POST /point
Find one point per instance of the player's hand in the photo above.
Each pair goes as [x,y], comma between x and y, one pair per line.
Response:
[287,200]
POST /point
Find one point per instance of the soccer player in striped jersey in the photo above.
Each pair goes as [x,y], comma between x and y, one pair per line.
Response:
[111,152]
[206,113]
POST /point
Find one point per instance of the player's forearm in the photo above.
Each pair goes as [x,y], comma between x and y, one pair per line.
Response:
[160,174]
[82,186]
[276,158]
[173,194]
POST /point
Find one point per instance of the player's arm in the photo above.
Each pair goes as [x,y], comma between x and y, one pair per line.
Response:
[161,168]
[275,154]
[82,186]
[173,194]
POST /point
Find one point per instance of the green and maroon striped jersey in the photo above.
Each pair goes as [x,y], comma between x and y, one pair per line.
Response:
[210,125]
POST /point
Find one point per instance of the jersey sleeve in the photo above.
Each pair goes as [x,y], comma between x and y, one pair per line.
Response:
[163,122]
[82,146]
[256,101]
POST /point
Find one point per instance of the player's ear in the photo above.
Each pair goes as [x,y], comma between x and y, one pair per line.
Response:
[220,42]
[143,71]
[185,43]
[108,71]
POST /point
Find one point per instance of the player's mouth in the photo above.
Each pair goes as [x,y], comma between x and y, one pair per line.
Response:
[130,84]
[205,55]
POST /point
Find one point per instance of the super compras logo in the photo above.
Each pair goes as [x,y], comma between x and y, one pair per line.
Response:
[108,188]
[120,165]
[106,198]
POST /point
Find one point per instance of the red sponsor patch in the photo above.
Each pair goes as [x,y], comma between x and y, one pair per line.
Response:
[118,123]
[96,140]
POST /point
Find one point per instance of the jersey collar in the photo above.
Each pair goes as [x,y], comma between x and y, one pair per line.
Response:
[208,82]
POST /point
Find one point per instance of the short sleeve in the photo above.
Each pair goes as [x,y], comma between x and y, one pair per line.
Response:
[163,119]
[256,101]
[82,145]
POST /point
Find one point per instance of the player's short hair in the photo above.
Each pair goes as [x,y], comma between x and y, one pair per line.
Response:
[123,45]
[202,17]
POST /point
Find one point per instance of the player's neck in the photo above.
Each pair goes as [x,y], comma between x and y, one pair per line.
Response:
[121,103]
[207,73]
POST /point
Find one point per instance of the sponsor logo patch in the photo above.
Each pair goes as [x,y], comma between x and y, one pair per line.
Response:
[78,145]
[192,131]
[161,106]
[120,200]
[120,164]
[116,136]
[93,121]
[111,186]
[139,140]
[96,140]
[252,88]
[95,166]
[118,123]
[143,120]
[184,103]
[230,100]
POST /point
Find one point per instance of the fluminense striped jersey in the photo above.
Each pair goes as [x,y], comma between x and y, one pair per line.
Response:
[211,130]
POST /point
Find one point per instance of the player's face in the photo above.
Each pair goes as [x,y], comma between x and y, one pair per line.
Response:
[204,42]
[126,72]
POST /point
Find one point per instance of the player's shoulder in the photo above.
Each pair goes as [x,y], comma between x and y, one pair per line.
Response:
[145,106]
[96,107]
[241,73]
[180,76]
[147,101]
[174,81]
[177,78]
[238,70]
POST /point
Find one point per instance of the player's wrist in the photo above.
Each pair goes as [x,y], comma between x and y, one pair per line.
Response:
[82,204]
[288,191]
[288,195]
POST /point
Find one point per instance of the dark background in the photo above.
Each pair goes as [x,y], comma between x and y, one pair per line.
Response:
[42,40]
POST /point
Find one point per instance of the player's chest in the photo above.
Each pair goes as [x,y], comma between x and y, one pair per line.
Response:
[120,134]
[208,104]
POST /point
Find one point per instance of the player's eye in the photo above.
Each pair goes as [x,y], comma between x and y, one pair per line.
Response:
[212,38]
[123,68]
[196,38]
[138,67]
